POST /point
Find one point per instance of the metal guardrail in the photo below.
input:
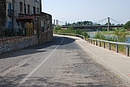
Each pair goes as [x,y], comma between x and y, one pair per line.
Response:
[99,42]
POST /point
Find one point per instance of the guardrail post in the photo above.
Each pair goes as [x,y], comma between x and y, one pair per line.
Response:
[91,41]
[117,48]
[127,50]
[109,46]
[96,42]
[104,45]
[100,43]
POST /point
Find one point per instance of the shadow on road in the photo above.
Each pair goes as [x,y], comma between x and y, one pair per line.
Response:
[38,48]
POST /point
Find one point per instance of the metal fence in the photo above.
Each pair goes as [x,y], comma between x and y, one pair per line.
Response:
[6,33]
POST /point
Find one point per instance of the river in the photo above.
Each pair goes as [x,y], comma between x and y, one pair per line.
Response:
[93,34]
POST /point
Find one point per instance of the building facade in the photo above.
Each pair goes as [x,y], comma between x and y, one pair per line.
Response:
[26,17]
[12,9]
[26,8]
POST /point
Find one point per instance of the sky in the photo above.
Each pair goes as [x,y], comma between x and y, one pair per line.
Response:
[91,10]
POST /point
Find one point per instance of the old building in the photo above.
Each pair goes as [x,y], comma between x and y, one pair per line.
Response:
[25,8]
[25,17]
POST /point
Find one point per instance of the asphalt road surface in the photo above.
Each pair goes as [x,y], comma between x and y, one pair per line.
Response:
[58,63]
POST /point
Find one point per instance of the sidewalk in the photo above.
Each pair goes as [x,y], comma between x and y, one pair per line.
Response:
[118,63]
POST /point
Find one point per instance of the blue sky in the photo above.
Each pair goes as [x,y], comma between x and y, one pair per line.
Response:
[92,10]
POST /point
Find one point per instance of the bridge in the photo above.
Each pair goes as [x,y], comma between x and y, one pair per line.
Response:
[93,26]
[108,25]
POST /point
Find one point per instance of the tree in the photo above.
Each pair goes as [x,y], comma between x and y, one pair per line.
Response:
[58,28]
[127,25]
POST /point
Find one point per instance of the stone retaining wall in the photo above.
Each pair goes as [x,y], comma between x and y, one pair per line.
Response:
[15,43]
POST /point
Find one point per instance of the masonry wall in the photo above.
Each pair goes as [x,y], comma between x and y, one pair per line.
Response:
[16,43]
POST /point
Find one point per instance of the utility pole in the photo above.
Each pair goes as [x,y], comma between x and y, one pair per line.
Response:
[108,24]
[13,15]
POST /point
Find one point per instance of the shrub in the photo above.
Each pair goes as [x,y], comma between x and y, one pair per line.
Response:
[100,36]
[86,35]
[127,25]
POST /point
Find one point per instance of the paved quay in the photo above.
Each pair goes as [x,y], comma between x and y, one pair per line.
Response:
[115,62]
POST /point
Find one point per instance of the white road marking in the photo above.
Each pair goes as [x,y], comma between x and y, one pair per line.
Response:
[30,74]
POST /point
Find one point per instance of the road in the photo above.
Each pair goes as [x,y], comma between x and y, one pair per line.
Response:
[58,63]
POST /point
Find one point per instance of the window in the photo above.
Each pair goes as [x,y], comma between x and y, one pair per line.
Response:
[34,11]
[9,24]
[21,7]
[10,11]
[38,10]
[24,8]
[28,9]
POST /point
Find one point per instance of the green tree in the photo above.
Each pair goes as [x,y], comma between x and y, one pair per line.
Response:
[127,25]
[58,28]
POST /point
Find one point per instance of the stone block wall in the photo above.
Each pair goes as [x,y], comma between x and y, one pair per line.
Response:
[46,36]
[15,43]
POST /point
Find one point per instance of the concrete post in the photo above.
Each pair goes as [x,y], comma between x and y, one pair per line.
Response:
[117,48]
[127,50]
[100,43]
[96,42]
[109,46]
[104,45]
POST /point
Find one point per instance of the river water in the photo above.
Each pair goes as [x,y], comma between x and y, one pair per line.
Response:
[93,34]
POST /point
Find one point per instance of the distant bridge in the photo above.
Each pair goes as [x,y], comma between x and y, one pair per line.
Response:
[108,26]
[93,26]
